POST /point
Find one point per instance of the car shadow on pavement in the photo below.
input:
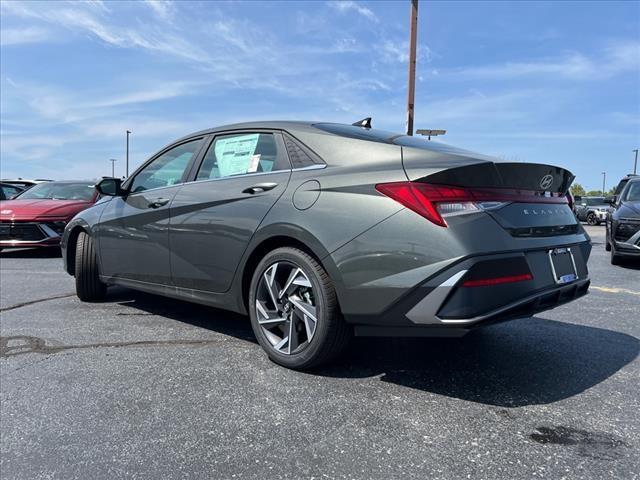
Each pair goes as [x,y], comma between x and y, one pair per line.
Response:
[49,252]
[523,362]
[221,321]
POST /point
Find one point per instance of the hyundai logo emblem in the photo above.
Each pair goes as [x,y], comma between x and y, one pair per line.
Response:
[546,182]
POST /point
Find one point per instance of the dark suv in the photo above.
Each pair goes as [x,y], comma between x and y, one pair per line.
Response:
[623,222]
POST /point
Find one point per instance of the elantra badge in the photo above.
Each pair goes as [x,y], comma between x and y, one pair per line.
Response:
[546,182]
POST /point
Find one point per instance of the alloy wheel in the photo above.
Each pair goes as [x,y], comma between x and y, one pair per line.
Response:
[286,307]
[591,219]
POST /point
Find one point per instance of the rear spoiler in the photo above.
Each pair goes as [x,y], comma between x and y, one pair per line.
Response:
[463,171]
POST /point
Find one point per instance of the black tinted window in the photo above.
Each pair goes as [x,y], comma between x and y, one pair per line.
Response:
[241,154]
[381,136]
[360,133]
[298,156]
[632,193]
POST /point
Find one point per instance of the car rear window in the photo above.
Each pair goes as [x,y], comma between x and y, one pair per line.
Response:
[391,138]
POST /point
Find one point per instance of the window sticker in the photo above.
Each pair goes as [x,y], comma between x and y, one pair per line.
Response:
[253,166]
[235,154]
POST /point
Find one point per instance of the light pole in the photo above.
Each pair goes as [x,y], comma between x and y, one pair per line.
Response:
[604,179]
[127,161]
[411,90]
[635,164]
[431,133]
[113,167]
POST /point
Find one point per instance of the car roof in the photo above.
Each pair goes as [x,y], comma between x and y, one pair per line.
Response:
[341,130]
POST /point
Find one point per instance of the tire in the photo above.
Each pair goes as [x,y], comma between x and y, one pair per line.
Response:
[607,244]
[592,219]
[89,288]
[330,335]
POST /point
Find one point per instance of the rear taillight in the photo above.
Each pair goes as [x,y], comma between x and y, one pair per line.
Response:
[487,282]
[435,202]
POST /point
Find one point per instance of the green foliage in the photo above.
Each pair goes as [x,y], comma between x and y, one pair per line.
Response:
[577,189]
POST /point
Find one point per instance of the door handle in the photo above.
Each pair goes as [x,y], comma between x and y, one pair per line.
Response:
[159,202]
[259,188]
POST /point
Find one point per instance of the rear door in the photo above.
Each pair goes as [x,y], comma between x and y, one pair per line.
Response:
[133,233]
[213,218]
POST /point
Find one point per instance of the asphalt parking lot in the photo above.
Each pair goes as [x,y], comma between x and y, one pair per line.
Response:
[146,387]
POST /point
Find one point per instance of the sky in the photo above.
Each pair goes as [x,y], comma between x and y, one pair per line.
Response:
[547,82]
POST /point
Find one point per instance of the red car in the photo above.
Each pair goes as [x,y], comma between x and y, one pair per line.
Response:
[37,216]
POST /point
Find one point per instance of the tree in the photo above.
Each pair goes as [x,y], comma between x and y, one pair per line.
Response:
[577,190]
[594,193]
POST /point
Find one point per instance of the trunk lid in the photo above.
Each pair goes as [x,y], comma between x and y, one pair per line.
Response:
[546,213]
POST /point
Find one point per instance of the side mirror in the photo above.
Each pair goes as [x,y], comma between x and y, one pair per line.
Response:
[110,186]
[611,199]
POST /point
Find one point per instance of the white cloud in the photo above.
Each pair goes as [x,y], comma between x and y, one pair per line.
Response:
[353,6]
[163,9]
[613,60]
[18,36]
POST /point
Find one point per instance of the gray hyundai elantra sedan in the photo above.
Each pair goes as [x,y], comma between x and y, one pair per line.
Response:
[322,231]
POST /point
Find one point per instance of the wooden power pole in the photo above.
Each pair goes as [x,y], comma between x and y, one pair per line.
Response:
[413,32]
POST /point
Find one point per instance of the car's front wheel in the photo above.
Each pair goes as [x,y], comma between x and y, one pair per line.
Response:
[89,288]
[592,219]
[294,310]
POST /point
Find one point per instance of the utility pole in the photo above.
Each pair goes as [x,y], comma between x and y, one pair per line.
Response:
[113,167]
[413,32]
[127,162]
[604,178]
[635,164]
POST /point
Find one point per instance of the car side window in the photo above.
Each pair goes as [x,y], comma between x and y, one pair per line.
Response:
[241,154]
[632,193]
[167,169]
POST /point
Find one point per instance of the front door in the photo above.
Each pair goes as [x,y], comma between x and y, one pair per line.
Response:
[134,229]
[213,218]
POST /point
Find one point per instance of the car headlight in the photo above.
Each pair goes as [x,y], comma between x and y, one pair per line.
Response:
[57,227]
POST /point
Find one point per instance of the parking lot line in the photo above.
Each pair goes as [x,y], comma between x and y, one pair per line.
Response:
[615,290]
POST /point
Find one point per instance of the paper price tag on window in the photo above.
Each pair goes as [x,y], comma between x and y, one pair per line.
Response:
[253,165]
[234,154]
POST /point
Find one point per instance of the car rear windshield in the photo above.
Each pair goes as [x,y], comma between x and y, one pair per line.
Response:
[59,191]
[593,201]
[391,138]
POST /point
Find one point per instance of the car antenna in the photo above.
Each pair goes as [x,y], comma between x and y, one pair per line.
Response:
[365,123]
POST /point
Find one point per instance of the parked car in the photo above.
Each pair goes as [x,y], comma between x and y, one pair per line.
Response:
[320,230]
[623,182]
[24,183]
[8,191]
[592,210]
[623,223]
[37,216]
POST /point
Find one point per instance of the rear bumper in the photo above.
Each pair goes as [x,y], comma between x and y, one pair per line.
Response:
[523,308]
[443,305]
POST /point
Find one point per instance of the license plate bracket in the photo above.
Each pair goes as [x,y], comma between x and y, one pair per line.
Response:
[563,265]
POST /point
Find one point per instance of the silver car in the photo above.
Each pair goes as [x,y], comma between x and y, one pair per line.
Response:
[592,210]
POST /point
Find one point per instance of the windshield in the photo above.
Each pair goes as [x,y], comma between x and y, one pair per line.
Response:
[593,201]
[633,192]
[59,191]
